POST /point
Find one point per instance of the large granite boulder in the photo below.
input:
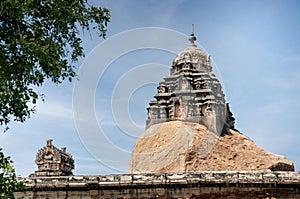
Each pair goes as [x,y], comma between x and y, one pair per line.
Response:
[177,146]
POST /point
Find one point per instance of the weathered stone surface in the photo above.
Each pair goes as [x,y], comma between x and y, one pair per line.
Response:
[191,93]
[52,161]
[208,184]
[177,146]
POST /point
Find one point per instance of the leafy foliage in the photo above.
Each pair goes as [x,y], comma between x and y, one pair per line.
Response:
[8,180]
[39,40]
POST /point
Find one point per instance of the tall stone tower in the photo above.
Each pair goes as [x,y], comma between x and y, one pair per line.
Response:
[191,93]
[190,127]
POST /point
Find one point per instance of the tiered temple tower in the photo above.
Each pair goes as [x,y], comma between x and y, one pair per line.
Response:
[191,93]
[52,161]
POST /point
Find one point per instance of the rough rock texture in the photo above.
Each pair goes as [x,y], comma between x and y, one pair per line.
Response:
[178,146]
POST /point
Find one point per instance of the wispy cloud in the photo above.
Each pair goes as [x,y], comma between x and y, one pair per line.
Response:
[54,109]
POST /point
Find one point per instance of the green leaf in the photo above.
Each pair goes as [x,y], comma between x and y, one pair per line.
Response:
[8,179]
[40,40]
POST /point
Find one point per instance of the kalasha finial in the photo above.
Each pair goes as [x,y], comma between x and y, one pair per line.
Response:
[192,37]
[193,29]
[49,143]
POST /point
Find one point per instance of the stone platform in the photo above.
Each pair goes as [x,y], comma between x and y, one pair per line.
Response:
[227,184]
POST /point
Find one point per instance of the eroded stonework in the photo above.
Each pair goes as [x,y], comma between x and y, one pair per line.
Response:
[215,184]
[191,93]
[52,161]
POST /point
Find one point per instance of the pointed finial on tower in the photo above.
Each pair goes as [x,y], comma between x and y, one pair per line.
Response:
[192,37]
[193,29]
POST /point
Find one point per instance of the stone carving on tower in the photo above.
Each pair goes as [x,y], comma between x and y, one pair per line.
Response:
[191,93]
[52,161]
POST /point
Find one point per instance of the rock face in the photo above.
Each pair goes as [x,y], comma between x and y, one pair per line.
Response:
[178,146]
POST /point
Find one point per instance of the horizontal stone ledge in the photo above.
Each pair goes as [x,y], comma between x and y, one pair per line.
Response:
[209,178]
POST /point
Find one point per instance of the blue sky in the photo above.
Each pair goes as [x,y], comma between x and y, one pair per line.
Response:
[254,44]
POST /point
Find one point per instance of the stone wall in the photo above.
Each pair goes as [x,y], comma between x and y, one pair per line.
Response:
[248,184]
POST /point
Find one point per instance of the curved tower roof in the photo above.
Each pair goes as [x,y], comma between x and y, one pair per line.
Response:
[192,55]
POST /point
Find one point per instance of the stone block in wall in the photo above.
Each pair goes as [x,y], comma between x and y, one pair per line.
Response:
[109,180]
[140,178]
[77,181]
[287,177]
[231,177]
[126,179]
[250,177]
[158,179]
[176,178]
[269,177]
[92,182]
[193,177]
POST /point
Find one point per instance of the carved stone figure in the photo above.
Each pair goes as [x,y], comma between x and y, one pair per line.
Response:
[184,84]
[198,86]
[161,89]
[180,111]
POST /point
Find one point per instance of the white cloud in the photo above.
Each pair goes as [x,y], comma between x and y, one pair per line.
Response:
[54,109]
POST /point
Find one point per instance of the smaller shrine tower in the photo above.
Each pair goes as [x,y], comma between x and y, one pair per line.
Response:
[52,161]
